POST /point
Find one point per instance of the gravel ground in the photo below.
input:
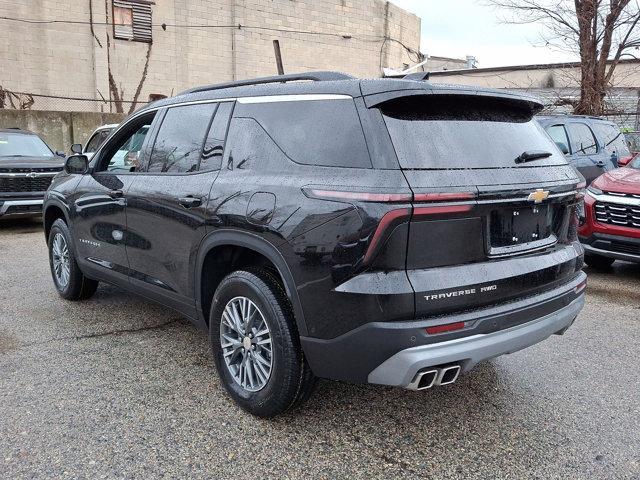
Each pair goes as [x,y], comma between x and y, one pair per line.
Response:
[117,387]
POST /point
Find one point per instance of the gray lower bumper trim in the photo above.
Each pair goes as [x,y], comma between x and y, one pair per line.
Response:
[402,367]
[611,254]
[13,203]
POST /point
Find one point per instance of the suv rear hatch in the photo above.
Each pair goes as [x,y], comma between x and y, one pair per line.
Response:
[494,201]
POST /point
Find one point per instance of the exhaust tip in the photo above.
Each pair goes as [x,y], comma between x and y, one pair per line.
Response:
[423,380]
[448,375]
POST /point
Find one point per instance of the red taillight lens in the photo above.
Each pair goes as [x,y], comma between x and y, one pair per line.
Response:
[449,327]
[444,196]
[380,197]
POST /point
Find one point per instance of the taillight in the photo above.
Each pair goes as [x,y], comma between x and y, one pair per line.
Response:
[430,203]
[581,286]
[389,219]
[624,161]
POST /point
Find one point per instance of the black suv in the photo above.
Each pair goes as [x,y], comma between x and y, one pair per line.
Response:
[27,166]
[385,231]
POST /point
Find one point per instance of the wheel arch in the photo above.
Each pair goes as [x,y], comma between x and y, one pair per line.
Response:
[254,243]
[51,212]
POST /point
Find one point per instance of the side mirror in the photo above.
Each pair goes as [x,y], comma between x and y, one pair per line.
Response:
[563,148]
[60,153]
[76,164]
[76,148]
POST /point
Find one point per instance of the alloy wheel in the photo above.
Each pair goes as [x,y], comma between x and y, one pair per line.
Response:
[61,260]
[246,344]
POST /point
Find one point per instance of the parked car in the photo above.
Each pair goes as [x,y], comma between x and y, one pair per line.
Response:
[381,231]
[27,165]
[96,139]
[611,229]
[126,158]
[633,141]
[593,145]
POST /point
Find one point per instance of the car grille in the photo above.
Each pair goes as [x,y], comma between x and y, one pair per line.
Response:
[22,184]
[617,214]
[17,180]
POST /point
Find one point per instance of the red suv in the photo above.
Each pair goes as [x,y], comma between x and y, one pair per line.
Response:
[611,228]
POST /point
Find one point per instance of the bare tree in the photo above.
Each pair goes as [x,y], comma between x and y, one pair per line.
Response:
[600,32]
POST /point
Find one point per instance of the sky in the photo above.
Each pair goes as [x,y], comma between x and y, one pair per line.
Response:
[457,28]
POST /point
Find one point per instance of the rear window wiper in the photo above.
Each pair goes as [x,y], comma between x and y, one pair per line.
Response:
[531,155]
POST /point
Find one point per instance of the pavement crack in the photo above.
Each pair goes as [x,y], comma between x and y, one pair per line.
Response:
[101,334]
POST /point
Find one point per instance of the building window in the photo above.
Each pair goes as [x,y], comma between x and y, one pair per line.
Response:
[132,20]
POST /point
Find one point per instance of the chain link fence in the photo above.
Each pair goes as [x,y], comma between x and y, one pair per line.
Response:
[36,101]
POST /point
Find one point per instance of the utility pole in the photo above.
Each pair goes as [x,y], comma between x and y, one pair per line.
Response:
[276,49]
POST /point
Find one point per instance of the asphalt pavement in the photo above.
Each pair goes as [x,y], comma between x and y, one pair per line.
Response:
[117,387]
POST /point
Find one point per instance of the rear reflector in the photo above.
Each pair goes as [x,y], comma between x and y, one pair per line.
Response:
[581,286]
[449,327]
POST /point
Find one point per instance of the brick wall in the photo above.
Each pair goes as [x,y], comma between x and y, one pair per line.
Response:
[67,60]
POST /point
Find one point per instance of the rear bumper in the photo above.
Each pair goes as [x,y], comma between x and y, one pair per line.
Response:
[612,246]
[401,368]
[392,352]
[20,207]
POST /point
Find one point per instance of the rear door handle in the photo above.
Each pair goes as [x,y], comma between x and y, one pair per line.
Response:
[190,201]
[115,193]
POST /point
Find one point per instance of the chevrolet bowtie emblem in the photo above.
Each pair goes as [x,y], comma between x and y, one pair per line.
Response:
[538,196]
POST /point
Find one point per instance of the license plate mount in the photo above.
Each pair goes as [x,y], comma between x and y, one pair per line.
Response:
[511,227]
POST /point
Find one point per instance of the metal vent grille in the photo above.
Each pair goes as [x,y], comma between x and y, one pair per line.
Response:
[132,20]
[617,214]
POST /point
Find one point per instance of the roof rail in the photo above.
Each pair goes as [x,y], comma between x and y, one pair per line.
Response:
[417,76]
[313,76]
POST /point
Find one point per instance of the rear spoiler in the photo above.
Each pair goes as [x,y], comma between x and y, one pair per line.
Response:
[520,101]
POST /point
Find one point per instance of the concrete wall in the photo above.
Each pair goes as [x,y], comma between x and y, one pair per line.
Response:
[70,60]
[58,129]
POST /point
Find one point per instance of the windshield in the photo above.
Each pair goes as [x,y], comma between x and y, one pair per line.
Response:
[22,145]
[613,139]
[438,133]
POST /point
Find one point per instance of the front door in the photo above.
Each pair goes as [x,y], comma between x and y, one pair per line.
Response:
[100,226]
[167,202]
[584,151]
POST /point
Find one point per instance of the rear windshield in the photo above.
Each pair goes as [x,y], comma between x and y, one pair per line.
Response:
[21,145]
[612,139]
[444,132]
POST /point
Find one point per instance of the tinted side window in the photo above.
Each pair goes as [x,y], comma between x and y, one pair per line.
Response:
[558,134]
[97,140]
[612,138]
[313,132]
[125,152]
[214,144]
[582,140]
[180,138]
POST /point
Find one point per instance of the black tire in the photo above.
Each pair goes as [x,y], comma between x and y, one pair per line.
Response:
[78,287]
[598,261]
[291,381]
